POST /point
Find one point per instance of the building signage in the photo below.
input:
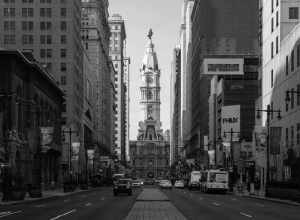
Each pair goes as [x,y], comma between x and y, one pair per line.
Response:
[46,138]
[223,66]
[230,122]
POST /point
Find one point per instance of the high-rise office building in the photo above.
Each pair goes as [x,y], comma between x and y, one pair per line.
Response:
[95,34]
[280,37]
[117,49]
[50,30]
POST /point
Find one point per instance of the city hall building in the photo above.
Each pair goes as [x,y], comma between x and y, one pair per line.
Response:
[150,153]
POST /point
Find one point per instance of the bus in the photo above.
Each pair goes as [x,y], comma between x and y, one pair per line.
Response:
[194,181]
[214,181]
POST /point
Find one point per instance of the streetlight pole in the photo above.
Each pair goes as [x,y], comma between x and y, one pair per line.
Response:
[70,132]
[269,110]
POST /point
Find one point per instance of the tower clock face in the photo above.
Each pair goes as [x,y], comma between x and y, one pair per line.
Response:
[149,79]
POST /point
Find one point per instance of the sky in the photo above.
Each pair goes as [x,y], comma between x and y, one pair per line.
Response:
[163,16]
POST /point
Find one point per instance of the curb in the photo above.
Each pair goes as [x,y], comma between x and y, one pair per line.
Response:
[287,202]
[46,198]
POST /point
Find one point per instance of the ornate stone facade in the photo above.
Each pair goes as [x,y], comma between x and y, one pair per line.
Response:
[150,153]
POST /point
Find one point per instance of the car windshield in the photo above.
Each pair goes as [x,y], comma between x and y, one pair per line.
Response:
[123,181]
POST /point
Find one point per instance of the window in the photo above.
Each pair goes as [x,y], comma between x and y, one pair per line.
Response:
[42,53]
[293,13]
[63,12]
[27,1]
[298,134]
[9,12]
[45,25]
[272,25]
[292,61]
[292,136]
[298,94]
[287,137]
[63,53]
[277,45]
[277,2]
[63,67]
[292,98]
[272,78]
[63,25]
[63,39]
[277,18]
[45,12]
[63,80]
[272,107]
[27,12]
[286,103]
[298,55]
[27,25]
[27,39]
[272,6]
[272,50]
[287,65]
[47,52]
[9,25]
[10,39]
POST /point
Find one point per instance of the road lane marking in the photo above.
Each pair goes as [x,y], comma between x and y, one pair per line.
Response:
[5,214]
[216,204]
[200,198]
[260,205]
[66,200]
[83,196]
[40,206]
[102,198]
[233,199]
[88,204]
[245,214]
[64,214]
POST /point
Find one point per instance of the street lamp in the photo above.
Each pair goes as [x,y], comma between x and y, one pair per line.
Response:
[269,111]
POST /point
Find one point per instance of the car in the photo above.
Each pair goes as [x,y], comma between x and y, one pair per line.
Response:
[165,184]
[136,183]
[179,184]
[123,186]
[149,182]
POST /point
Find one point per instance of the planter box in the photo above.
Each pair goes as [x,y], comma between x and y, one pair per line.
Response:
[35,193]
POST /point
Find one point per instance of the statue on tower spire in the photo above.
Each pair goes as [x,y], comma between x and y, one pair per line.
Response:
[150,34]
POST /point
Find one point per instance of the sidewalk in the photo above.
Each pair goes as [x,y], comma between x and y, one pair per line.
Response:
[246,194]
[48,194]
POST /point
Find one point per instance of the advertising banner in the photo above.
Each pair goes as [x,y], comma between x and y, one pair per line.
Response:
[230,122]
[75,151]
[223,66]
[46,138]
[275,140]
[205,143]
[211,155]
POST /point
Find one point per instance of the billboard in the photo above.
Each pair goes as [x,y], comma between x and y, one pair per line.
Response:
[223,66]
[230,121]
[75,151]
[46,138]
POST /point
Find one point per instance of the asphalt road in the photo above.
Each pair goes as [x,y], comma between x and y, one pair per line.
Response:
[101,204]
[98,204]
[196,205]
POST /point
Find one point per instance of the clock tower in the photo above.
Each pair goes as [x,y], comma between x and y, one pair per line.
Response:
[150,88]
[150,153]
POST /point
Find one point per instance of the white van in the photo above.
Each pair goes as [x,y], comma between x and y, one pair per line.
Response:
[194,182]
[214,181]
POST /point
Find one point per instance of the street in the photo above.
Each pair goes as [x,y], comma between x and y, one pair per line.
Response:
[150,203]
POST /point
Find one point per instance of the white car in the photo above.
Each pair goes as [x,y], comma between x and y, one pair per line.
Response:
[136,183]
[179,184]
[165,184]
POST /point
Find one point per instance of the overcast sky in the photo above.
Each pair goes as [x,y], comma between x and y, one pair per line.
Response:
[163,16]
